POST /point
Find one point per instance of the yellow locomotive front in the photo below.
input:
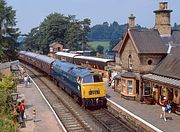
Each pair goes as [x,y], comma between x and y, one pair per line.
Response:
[93,90]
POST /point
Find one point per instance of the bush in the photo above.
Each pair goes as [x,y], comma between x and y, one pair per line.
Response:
[7,85]
[6,125]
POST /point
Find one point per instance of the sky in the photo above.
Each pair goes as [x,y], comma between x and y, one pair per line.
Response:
[30,13]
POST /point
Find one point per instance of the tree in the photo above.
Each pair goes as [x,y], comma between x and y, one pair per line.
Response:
[58,28]
[31,42]
[176,26]
[76,35]
[52,29]
[100,49]
[8,34]
[85,29]
[73,36]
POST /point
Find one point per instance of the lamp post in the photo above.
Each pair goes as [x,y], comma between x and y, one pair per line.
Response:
[14,97]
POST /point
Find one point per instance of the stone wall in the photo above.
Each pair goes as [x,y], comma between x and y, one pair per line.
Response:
[140,63]
[129,49]
[129,118]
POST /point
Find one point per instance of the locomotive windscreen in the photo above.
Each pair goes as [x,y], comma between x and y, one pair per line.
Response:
[92,79]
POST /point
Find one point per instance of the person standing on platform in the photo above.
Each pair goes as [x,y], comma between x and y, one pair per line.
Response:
[26,80]
[164,104]
[20,120]
[22,110]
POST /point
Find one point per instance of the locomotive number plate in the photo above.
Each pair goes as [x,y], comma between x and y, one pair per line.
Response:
[92,92]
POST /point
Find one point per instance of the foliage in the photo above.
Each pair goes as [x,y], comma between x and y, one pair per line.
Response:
[8,34]
[106,32]
[7,84]
[100,49]
[76,35]
[6,125]
[109,32]
[176,26]
[58,28]
[94,44]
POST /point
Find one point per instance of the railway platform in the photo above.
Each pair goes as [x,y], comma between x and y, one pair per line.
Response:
[146,114]
[45,119]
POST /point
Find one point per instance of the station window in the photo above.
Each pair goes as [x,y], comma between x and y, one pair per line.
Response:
[130,87]
[147,89]
[130,62]
[124,86]
[149,62]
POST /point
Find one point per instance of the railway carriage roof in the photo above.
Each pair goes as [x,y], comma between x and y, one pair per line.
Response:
[94,59]
[66,54]
[38,56]
[28,53]
[22,52]
[72,69]
[45,59]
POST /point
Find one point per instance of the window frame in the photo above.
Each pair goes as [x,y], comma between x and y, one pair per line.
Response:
[128,87]
[147,88]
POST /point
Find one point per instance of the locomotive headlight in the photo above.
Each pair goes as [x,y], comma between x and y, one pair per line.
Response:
[78,88]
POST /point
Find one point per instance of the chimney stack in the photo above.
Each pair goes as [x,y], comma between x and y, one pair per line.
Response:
[131,22]
[162,19]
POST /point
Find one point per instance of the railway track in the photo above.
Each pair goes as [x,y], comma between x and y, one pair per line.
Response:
[109,121]
[69,119]
[73,117]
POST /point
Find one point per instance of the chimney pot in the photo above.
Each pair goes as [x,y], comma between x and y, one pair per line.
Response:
[162,19]
[131,23]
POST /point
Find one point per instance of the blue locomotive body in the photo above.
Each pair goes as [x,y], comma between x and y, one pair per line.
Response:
[85,85]
[64,74]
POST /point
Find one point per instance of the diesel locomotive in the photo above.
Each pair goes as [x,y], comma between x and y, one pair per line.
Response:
[86,86]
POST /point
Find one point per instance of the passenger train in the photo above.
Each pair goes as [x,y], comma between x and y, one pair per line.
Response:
[96,64]
[86,86]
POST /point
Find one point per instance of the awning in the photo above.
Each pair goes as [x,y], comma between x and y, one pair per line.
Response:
[162,79]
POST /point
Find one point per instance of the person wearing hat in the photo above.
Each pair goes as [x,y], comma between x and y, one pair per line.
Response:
[164,104]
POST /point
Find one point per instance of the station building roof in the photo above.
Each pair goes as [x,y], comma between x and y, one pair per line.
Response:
[94,59]
[65,54]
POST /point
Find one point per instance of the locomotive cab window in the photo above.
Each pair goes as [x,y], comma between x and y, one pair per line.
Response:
[88,79]
[92,79]
[97,78]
